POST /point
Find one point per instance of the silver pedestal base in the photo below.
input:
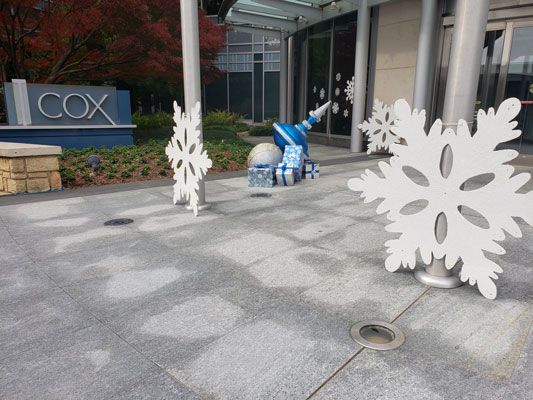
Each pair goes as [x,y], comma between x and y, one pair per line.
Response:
[201,207]
[444,282]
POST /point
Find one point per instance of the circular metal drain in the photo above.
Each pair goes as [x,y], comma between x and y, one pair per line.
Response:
[119,221]
[377,335]
[261,195]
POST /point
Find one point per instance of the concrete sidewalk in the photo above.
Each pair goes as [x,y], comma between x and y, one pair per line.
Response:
[253,299]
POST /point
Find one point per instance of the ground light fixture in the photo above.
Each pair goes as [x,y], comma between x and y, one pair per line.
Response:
[93,161]
[377,335]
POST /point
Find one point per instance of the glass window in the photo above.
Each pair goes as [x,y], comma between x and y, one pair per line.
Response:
[245,48]
[216,94]
[258,57]
[240,58]
[240,93]
[343,71]
[239,37]
[272,45]
[242,67]
[271,95]
[271,66]
[318,69]
[271,56]
[258,48]
[258,92]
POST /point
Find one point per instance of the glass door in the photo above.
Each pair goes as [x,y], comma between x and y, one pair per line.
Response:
[517,80]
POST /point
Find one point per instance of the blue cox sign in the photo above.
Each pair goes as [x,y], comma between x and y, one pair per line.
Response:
[67,115]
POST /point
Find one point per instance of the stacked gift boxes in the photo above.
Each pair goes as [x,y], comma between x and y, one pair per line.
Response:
[291,170]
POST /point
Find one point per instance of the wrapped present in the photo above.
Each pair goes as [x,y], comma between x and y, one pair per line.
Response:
[262,175]
[311,170]
[285,175]
[293,157]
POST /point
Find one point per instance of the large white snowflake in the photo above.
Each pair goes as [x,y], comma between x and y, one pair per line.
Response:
[474,158]
[378,128]
[187,156]
[350,90]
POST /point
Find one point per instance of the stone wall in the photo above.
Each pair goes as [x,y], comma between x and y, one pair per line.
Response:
[28,169]
[397,44]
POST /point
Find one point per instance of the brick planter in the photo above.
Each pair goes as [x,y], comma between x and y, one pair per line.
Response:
[29,168]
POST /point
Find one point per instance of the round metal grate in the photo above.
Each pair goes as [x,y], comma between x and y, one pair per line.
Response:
[119,221]
[377,335]
[261,195]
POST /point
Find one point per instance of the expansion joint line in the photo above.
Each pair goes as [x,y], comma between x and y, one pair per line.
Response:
[363,348]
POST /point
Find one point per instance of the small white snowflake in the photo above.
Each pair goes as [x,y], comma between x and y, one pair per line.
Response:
[346,113]
[497,202]
[314,89]
[317,105]
[338,77]
[350,90]
[322,93]
[335,108]
[187,156]
[379,128]
[337,91]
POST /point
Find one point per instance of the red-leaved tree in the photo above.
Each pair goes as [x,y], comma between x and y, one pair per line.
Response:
[74,40]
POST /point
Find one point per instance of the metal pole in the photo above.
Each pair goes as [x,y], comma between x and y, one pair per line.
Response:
[459,102]
[290,79]
[191,70]
[360,73]
[283,79]
[425,55]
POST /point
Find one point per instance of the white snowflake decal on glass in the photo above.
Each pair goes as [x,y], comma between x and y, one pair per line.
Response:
[346,113]
[349,90]
[475,161]
[335,108]
[337,91]
[185,152]
[322,93]
[314,89]
[317,105]
[338,77]
[378,128]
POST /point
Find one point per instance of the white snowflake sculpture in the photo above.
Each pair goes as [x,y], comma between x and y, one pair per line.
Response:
[337,91]
[322,93]
[338,77]
[346,113]
[314,89]
[378,128]
[497,202]
[186,154]
[350,90]
[335,108]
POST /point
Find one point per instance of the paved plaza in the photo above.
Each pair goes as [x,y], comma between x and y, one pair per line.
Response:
[253,299]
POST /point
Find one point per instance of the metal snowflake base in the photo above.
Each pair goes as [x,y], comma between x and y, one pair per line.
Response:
[201,207]
[443,282]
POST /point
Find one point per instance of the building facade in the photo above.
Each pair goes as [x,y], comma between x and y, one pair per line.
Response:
[250,84]
[400,48]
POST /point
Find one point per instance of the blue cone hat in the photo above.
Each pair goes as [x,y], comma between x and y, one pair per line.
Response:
[286,134]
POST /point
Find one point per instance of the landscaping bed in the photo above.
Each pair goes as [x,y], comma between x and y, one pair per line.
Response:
[147,160]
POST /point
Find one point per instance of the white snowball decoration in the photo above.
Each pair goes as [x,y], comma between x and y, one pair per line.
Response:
[187,156]
[337,91]
[350,90]
[378,128]
[497,202]
[265,153]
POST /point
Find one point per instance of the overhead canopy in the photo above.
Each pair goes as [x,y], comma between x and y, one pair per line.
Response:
[273,17]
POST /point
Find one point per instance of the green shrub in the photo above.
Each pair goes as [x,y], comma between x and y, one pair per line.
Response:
[125,174]
[162,172]
[145,170]
[221,117]
[260,130]
[67,175]
[151,121]
[86,175]
[109,175]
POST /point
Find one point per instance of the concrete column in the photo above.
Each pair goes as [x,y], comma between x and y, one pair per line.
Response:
[360,73]
[191,68]
[459,103]
[283,79]
[290,79]
[425,56]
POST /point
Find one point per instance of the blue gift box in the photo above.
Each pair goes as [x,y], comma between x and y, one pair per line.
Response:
[286,175]
[262,175]
[293,157]
[311,170]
